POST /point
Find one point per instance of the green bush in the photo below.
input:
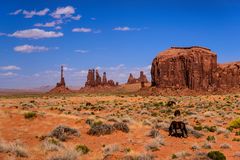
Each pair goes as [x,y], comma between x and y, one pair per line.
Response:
[174,156]
[30,115]
[198,127]
[216,155]
[237,133]
[235,123]
[82,148]
[211,138]
[211,128]
[236,139]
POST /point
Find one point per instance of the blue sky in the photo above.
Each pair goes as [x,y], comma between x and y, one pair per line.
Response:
[116,36]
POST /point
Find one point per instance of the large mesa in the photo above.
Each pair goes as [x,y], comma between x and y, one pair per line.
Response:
[194,68]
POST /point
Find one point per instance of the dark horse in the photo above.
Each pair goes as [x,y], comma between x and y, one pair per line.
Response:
[175,125]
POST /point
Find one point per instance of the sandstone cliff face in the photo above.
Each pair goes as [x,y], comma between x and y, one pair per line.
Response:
[191,68]
[228,75]
[195,68]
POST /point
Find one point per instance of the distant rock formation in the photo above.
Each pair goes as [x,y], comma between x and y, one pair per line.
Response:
[61,86]
[195,68]
[142,78]
[95,80]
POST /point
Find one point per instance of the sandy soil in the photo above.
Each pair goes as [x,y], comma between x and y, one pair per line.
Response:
[141,114]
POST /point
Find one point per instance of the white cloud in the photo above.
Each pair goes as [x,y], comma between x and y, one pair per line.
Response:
[8,74]
[60,12]
[78,17]
[30,14]
[36,34]
[16,12]
[81,51]
[9,68]
[58,27]
[49,24]
[2,34]
[29,49]
[85,30]
[126,29]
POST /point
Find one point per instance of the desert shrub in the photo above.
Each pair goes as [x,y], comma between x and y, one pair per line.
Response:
[51,144]
[211,138]
[237,133]
[100,130]
[195,147]
[82,148]
[225,146]
[110,149]
[121,126]
[237,154]
[174,156]
[139,157]
[15,148]
[198,127]
[181,155]
[170,103]
[235,123]
[30,115]
[152,146]
[216,155]
[162,125]
[196,134]
[210,128]
[236,139]
[65,155]
[207,145]
[63,132]
[153,133]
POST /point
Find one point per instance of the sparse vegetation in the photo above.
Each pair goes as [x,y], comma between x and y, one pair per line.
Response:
[82,148]
[98,130]
[63,132]
[216,155]
[121,126]
[30,115]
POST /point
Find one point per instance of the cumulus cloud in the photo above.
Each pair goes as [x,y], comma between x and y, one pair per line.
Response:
[29,48]
[36,34]
[10,67]
[77,17]
[16,12]
[65,12]
[8,74]
[30,14]
[85,30]
[49,24]
[126,29]
[58,27]
[2,34]
[81,51]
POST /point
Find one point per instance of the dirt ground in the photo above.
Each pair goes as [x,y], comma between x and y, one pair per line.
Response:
[27,121]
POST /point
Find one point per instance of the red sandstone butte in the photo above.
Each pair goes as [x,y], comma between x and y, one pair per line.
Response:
[195,68]
[141,79]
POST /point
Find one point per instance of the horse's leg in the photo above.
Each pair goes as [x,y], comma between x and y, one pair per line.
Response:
[185,130]
[170,130]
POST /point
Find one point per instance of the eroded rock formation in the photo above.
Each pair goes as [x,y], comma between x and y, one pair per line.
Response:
[94,79]
[195,68]
[61,86]
[142,78]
